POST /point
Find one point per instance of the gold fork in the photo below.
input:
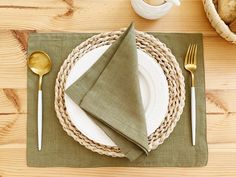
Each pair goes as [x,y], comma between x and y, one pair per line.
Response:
[190,65]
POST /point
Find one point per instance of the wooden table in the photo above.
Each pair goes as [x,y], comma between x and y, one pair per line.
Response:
[18,17]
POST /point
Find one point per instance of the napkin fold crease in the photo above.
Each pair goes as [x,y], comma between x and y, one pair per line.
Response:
[109,92]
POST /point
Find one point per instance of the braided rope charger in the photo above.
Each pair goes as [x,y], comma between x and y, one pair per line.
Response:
[153,47]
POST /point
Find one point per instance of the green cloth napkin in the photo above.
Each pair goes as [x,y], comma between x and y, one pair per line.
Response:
[109,92]
[59,149]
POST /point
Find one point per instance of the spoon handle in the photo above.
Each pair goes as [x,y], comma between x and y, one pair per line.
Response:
[40,119]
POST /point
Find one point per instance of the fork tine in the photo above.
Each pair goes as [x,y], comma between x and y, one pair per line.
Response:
[187,55]
[191,54]
[195,55]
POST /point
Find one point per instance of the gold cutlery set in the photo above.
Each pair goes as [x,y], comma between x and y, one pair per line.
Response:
[40,63]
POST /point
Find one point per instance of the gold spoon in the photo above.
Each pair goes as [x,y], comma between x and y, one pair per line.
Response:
[40,63]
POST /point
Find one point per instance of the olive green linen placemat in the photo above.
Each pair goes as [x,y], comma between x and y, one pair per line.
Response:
[58,149]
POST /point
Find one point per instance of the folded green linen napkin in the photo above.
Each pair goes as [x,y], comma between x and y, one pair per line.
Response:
[109,92]
[60,150]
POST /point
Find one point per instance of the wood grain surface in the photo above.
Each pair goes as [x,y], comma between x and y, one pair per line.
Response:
[19,17]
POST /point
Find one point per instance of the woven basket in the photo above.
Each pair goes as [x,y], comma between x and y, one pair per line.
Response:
[217,22]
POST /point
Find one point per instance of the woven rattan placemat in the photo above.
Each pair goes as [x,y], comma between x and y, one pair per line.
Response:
[153,47]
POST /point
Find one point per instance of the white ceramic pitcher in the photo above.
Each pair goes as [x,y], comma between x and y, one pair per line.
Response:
[152,12]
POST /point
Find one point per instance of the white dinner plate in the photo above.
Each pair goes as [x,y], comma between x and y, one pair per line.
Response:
[154,92]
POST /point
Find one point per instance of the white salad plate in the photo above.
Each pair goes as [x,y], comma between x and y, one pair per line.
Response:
[154,92]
